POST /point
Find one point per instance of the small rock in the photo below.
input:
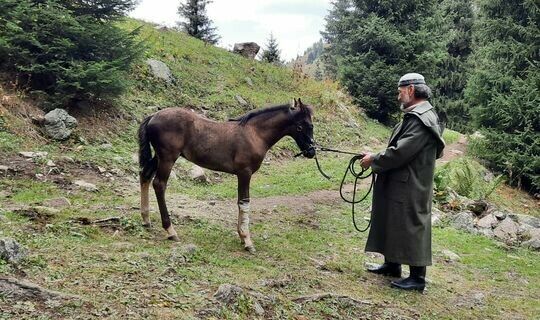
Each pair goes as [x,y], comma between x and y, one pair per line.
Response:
[436,216]
[50,163]
[101,170]
[197,173]
[500,215]
[450,256]
[184,254]
[11,250]
[4,169]
[160,70]
[477,207]
[486,232]
[32,155]
[59,124]
[526,219]
[241,101]
[45,211]
[533,244]
[116,171]
[67,159]
[506,230]
[228,293]
[85,185]
[464,221]
[57,202]
[249,82]
[106,146]
[489,221]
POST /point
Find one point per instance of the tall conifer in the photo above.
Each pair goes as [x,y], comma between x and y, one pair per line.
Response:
[195,20]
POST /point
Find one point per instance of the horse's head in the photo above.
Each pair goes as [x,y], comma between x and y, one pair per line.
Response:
[303,128]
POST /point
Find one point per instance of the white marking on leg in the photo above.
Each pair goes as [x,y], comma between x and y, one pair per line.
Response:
[171,232]
[145,207]
[243,224]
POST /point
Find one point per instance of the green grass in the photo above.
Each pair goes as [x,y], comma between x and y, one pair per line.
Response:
[451,136]
[318,251]
[273,179]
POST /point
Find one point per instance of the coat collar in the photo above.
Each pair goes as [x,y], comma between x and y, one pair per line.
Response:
[422,107]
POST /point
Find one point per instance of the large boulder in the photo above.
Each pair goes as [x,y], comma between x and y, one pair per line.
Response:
[247,49]
[160,70]
[464,221]
[507,230]
[533,236]
[59,124]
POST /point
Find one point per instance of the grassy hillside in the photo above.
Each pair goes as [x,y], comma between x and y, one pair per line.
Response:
[207,79]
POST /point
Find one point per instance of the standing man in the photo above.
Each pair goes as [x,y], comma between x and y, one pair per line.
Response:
[401,217]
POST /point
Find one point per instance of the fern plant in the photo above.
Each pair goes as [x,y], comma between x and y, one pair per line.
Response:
[466,177]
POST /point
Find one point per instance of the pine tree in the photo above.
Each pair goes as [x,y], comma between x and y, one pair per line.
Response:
[272,53]
[372,43]
[101,9]
[338,23]
[504,88]
[70,56]
[457,18]
[196,22]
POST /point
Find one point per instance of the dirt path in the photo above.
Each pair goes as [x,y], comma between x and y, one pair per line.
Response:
[225,211]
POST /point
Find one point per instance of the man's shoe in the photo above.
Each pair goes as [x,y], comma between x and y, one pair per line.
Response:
[409,283]
[389,269]
[416,281]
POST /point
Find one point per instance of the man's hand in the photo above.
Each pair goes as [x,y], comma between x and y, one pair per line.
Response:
[366,160]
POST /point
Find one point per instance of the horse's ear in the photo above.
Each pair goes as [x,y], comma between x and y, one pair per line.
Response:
[295,103]
[302,106]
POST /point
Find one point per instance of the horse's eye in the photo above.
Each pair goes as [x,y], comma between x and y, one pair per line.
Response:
[299,128]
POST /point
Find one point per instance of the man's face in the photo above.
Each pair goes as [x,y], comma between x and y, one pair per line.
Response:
[405,95]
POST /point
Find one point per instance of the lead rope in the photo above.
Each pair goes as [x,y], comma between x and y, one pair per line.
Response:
[357,176]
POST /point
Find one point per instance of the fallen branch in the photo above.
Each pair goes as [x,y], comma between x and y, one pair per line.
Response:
[17,289]
[102,222]
[324,296]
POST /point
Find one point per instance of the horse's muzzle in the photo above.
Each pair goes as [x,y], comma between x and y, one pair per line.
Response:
[309,152]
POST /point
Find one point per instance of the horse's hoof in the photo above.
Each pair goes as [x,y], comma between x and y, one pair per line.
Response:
[173,238]
[147,225]
[250,249]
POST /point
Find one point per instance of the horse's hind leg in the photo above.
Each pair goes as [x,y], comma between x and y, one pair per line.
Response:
[145,207]
[243,211]
[145,177]
[160,185]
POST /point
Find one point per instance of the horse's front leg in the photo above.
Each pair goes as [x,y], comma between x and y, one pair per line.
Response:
[160,185]
[243,210]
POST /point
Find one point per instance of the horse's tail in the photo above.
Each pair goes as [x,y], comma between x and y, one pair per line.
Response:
[147,163]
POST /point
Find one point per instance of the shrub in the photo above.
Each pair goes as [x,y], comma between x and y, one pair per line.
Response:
[69,53]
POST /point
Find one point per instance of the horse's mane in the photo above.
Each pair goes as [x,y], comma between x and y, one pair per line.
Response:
[242,120]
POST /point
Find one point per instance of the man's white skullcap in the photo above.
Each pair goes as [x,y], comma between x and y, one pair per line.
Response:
[411,78]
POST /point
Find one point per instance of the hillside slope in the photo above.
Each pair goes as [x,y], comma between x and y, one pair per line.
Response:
[208,79]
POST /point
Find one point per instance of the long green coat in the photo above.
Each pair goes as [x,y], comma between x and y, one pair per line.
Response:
[402,195]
